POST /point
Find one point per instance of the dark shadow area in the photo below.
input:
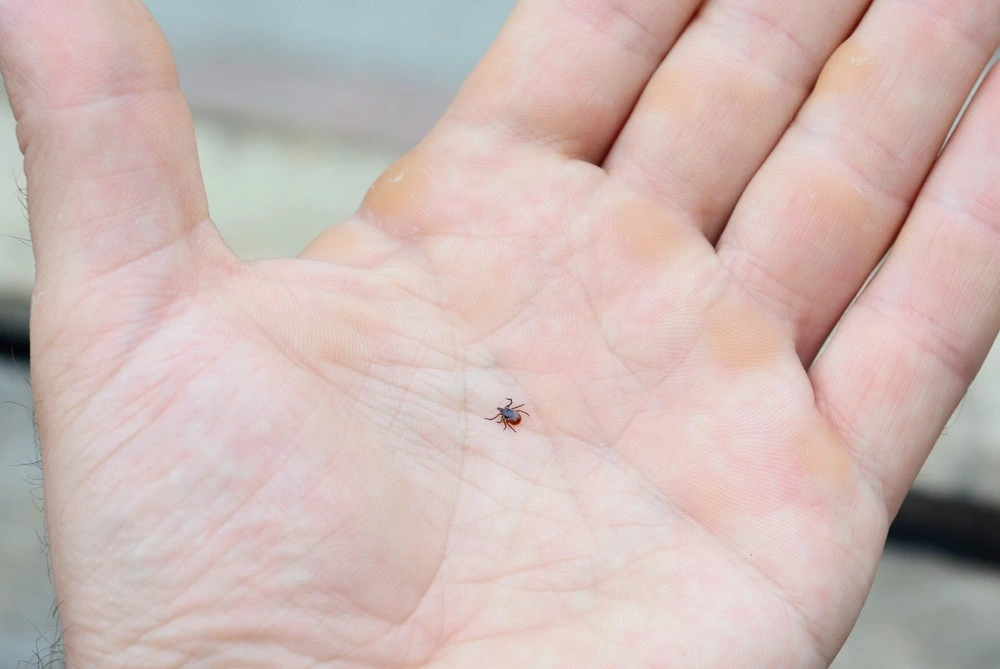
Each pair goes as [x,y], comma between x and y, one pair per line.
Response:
[14,328]
[965,529]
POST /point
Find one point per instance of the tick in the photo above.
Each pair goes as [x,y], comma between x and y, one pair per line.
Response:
[509,416]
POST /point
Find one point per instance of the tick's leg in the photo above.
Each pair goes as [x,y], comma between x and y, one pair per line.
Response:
[517,407]
[525,413]
[512,428]
[509,402]
[494,417]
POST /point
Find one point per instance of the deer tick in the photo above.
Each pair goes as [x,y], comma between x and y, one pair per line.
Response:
[508,415]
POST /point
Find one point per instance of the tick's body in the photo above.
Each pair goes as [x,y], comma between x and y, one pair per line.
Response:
[508,415]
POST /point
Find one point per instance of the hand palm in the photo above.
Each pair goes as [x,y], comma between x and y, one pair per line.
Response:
[293,454]
[674,457]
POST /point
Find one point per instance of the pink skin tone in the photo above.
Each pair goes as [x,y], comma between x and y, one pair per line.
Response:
[642,220]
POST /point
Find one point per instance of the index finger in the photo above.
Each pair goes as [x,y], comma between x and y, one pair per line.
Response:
[107,138]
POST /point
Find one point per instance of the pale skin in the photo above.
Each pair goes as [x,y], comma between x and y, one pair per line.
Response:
[641,223]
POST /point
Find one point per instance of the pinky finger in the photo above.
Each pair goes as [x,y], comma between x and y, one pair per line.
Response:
[907,350]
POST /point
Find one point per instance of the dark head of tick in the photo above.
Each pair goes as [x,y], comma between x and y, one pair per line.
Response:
[509,415]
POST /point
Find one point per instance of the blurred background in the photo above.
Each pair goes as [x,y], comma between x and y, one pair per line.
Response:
[299,105]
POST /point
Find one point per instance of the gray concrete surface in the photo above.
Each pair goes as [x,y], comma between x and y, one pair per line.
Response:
[927,612]
[25,593]
[378,68]
[432,41]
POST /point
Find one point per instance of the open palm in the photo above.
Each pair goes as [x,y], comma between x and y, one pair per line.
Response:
[640,224]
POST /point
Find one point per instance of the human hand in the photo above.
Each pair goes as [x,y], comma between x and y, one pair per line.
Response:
[285,463]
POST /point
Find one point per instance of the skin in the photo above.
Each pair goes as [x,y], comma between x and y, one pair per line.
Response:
[284,463]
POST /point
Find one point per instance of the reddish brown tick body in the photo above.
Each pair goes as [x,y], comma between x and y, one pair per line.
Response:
[509,416]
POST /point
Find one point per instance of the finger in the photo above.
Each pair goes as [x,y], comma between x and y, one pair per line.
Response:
[907,350]
[829,200]
[722,98]
[107,138]
[566,74]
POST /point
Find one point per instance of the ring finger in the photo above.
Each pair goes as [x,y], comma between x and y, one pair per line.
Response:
[721,99]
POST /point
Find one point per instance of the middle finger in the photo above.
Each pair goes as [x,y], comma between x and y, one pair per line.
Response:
[721,99]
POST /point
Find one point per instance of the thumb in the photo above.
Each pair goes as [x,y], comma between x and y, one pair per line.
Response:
[115,196]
